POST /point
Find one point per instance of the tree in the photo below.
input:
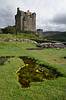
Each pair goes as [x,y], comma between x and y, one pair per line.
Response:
[9,29]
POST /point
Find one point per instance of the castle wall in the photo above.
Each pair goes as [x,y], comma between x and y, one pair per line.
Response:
[34,21]
[18,21]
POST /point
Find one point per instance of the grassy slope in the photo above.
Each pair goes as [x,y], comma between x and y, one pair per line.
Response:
[48,90]
[19,35]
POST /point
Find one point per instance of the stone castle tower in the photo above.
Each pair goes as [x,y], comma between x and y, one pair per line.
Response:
[25,21]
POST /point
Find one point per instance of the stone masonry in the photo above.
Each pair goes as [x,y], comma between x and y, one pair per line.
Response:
[25,21]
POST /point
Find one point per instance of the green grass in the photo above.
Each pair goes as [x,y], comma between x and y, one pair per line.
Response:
[10,88]
[19,35]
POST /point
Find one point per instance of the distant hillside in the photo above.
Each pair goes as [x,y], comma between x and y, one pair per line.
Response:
[57,36]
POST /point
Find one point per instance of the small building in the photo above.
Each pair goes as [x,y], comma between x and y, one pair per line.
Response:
[40,32]
[25,21]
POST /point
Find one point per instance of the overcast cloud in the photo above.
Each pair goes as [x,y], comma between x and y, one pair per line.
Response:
[59,18]
[51,14]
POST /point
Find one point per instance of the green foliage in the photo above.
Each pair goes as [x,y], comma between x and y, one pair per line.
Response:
[9,29]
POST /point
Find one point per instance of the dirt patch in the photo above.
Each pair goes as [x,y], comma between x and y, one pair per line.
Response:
[34,72]
[38,48]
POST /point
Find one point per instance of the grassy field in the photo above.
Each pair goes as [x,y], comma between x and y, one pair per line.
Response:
[10,89]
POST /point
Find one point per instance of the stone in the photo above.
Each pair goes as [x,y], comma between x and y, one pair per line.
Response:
[51,45]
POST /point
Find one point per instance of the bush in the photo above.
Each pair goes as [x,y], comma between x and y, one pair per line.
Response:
[9,29]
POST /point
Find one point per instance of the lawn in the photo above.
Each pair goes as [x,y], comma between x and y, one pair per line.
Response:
[10,89]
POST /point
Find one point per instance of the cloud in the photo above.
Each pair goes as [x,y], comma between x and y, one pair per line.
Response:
[6,17]
[59,18]
[54,27]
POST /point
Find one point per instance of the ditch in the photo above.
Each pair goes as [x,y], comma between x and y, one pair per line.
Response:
[32,71]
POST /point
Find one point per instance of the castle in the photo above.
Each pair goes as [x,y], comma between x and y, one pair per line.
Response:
[25,21]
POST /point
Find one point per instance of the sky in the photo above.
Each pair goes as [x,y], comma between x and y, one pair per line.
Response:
[50,14]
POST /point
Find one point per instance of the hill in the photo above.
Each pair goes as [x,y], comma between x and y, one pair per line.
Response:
[56,36]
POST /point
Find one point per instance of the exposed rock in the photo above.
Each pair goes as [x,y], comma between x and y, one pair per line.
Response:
[51,45]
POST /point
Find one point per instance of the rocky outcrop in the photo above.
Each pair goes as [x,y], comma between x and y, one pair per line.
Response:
[51,45]
[17,39]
